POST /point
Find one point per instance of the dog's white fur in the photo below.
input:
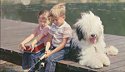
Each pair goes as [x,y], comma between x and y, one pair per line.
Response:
[94,54]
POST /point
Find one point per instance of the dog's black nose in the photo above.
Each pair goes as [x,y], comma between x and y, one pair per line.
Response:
[93,35]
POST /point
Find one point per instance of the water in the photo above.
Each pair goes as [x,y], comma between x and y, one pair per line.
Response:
[111,14]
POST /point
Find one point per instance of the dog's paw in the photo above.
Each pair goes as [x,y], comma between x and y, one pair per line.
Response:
[106,63]
[96,65]
[91,63]
[104,59]
[111,50]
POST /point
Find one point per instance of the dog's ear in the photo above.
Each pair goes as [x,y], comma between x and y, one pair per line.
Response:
[79,34]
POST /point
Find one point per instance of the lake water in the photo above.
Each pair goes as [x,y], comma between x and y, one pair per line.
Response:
[111,14]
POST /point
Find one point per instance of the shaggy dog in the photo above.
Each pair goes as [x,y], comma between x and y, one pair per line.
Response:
[89,38]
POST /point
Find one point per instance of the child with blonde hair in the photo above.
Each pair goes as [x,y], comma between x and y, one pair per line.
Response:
[61,33]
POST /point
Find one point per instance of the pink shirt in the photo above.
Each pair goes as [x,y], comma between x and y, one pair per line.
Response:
[43,31]
[58,33]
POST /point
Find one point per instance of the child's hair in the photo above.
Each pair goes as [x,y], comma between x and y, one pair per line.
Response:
[58,10]
[42,12]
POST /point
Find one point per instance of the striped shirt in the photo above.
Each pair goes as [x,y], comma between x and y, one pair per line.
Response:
[60,32]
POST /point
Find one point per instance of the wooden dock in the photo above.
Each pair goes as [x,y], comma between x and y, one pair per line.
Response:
[13,32]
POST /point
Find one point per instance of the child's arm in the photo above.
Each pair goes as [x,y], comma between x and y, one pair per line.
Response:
[36,39]
[39,37]
[48,43]
[47,46]
[25,41]
[61,46]
[29,38]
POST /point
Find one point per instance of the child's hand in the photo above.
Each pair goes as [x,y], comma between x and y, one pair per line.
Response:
[32,45]
[48,53]
[22,46]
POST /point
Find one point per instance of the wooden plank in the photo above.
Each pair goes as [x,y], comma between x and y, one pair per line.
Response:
[13,32]
[118,69]
[70,66]
[119,57]
[112,67]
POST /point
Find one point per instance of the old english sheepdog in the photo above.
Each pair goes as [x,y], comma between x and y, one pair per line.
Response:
[89,37]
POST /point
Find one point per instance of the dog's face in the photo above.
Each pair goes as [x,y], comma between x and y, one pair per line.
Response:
[89,28]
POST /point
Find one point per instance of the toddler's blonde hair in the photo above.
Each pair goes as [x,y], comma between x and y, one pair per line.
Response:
[58,10]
